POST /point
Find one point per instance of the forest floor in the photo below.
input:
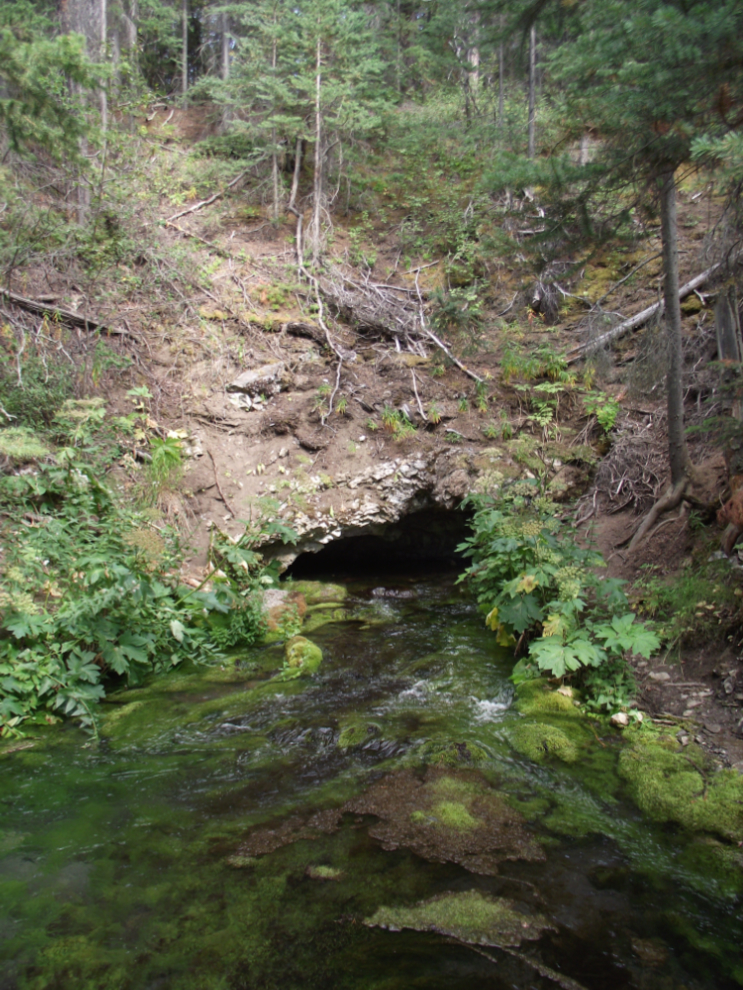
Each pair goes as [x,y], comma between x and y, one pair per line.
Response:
[287,454]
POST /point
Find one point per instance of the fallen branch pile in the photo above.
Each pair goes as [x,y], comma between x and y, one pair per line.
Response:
[626,326]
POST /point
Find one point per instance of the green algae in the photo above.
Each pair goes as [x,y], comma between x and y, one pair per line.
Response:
[468,916]
[674,784]
[540,742]
[324,873]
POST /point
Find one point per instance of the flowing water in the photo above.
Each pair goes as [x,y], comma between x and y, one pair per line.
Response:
[185,849]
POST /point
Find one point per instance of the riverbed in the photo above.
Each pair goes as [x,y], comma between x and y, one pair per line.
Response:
[233,829]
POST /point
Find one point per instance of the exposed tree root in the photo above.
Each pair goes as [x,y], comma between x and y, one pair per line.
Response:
[670,500]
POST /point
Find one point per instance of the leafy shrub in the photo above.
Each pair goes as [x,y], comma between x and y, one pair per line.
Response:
[604,407]
[89,595]
[541,593]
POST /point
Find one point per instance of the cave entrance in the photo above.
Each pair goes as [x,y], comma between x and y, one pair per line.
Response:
[421,542]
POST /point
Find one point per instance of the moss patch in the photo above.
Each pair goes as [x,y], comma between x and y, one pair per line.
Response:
[440,753]
[535,698]
[303,657]
[468,916]
[356,734]
[540,742]
[681,786]
[317,592]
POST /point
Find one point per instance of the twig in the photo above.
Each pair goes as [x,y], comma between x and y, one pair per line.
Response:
[207,202]
[219,487]
[420,268]
[509,306]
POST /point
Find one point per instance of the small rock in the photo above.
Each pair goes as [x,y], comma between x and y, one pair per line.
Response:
[565,690]
[620,720]
[713,728]
[659,675]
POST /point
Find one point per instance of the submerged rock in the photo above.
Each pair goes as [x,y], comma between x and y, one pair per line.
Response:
[468,916]
[446,817]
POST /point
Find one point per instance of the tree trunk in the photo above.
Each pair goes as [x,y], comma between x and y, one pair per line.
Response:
[103,54]
[184,48]
[500,87]
[274,149]
[726,326]
[532,89]
[295,177]
[315,222]
[677,449]
[225,30]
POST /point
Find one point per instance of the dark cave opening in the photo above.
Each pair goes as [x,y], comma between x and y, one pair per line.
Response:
[424,541]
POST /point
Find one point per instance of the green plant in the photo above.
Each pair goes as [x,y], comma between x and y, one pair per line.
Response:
[490,430]
[341,406]
[481,400]
[166,462]
[90,596]
[372,425]
[434,414]
[604,407]
[463,405]
[540,590]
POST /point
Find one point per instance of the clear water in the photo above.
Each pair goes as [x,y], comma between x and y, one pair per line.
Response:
[123,863]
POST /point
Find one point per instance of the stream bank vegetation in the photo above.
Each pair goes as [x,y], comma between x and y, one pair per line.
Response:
[545,597]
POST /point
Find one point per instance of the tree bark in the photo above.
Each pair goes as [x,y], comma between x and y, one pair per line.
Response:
[532,90]
[225,30]
[184,48]
[295,176]
[677,449]
[103,54]
[315,222]
[274,149]
[500,87]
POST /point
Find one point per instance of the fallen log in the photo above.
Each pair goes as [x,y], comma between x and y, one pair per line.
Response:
[626,326]
[206,202]
[56,312]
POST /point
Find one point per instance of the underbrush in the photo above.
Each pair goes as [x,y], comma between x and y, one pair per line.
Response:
[544,597]
[91,596]
[700,603]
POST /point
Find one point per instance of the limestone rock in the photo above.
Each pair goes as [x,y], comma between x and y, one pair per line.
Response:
[268,380]
[620,720]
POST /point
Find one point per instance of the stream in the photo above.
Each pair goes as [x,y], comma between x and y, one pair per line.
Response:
[234,830]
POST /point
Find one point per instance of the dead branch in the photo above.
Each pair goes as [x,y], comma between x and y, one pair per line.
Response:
[207,202]
[417,398]
[626,326]
[219,487]
[56,312]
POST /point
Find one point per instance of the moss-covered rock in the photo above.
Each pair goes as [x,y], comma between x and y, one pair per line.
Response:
[317,592]
[469,916]
[536,698]
[323,873]
[671,784]
[356,734]
[444,753]
[303,657]
[540,742]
